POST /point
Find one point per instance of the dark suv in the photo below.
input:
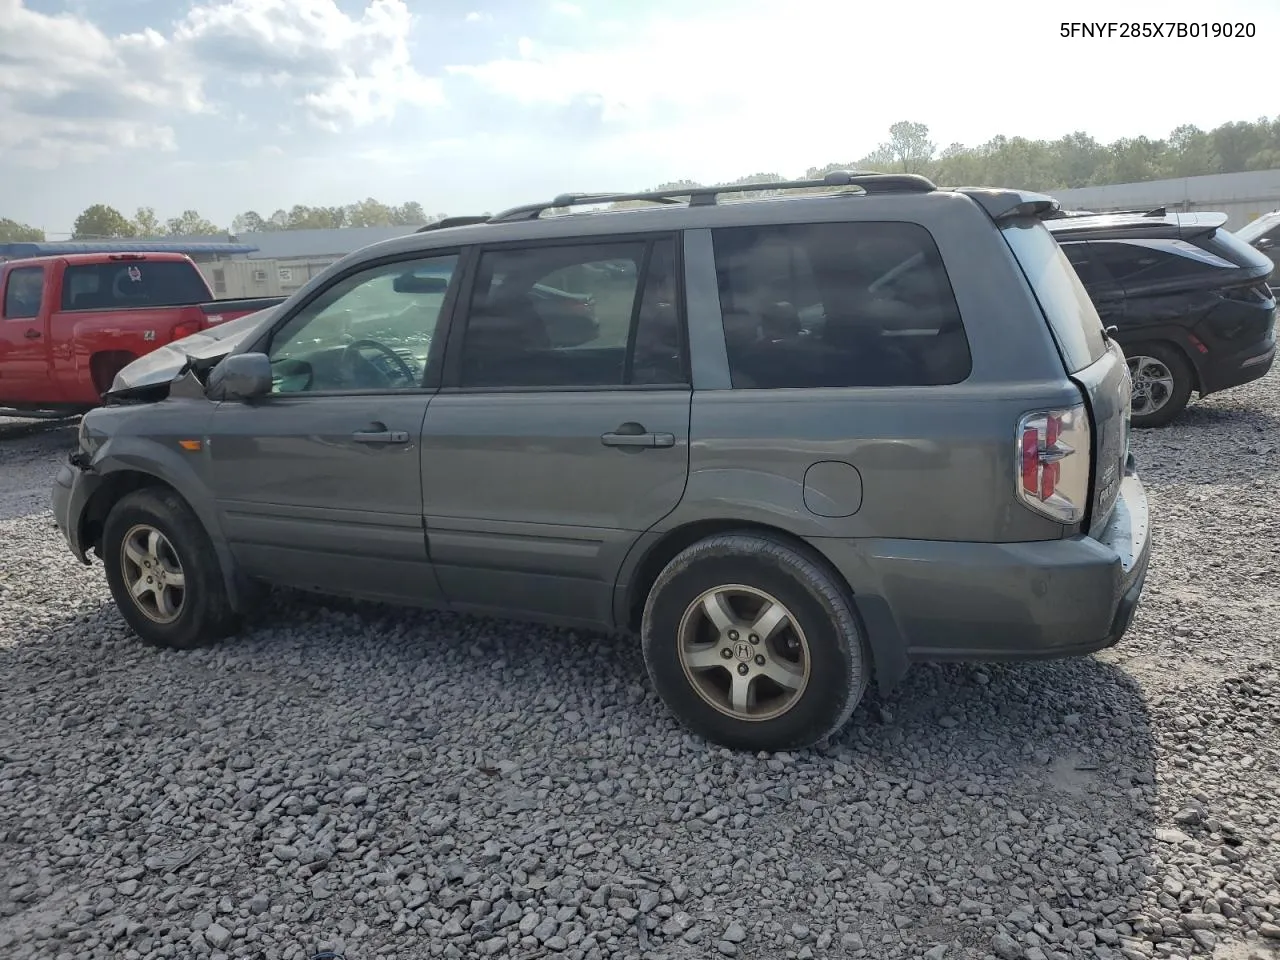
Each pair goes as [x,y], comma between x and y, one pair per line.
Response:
[812,439]
[1189,301]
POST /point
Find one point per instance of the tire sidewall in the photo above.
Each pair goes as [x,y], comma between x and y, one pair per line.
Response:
[837,670]
[187,629]
[1183,381]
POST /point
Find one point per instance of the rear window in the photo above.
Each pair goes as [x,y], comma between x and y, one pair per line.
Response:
[1062,296]
[1229,246]
[838,305]
[132,283]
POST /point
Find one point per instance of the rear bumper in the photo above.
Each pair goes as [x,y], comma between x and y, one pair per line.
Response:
[1221,372]
[926,600]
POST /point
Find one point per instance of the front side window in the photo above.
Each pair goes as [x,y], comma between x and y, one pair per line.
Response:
[23,293]
[124,284]
[575,316]
[838,305]
[369,331]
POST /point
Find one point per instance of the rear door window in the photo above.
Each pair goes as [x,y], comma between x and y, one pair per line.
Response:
[1062,295]
[132,283]
[838,305]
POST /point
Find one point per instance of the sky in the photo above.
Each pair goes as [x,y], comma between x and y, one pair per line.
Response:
[467,106]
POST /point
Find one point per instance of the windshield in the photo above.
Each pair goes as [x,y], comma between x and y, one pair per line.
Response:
[1252,231]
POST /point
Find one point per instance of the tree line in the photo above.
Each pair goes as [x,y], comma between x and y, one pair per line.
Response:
[1074,160]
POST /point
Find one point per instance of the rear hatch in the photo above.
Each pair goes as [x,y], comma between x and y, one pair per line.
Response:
[1095,363]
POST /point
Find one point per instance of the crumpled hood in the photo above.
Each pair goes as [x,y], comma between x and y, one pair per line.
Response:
[164,363]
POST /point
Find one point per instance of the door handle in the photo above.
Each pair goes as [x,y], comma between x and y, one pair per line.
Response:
[378,433]
[32,334]
[635,435]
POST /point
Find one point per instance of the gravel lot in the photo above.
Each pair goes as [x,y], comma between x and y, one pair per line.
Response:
[389,784]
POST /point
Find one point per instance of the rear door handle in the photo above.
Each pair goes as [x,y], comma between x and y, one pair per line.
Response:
[378,433]
[32,334]
[634,435]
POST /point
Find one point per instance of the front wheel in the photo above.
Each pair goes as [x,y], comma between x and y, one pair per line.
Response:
[753,644]
[1162,383]
[163,572]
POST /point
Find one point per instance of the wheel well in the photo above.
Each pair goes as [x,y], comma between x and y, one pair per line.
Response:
[666,549]
[114,486]
[104,366]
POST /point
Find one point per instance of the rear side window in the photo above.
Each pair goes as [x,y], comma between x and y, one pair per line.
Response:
[23,292]
[574,316]
[1138,263]
[1061,294]
[132,283]
[838,305]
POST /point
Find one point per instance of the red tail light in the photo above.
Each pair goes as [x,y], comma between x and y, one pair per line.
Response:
[185,329]
[1053,463]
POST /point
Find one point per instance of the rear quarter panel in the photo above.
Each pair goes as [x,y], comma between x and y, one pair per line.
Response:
[78,336]
[933,463]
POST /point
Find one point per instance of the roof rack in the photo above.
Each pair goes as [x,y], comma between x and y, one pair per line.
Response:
[452,222]
[869,181]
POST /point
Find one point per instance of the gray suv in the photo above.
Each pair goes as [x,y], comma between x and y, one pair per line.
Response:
[794,443]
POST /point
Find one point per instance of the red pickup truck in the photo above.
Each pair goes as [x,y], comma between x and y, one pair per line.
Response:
[69,323]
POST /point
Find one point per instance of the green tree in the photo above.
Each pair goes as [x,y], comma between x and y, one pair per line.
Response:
[249,222]
[409,214]
[101,222]
[368,213]
[191,224]
[11,231]
[146,223]
[908,149]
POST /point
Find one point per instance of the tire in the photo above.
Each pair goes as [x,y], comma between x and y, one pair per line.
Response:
[195,614]
[1174,390]
[695,678]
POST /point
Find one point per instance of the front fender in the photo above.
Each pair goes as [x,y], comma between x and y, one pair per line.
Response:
[173,466]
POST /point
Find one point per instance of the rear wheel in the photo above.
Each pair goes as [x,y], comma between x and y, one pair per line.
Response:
[1162,383]
[753,643]
[163,572]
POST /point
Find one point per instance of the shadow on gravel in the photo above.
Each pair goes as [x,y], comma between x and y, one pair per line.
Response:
[995,808]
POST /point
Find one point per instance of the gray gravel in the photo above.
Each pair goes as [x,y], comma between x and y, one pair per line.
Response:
[390,784]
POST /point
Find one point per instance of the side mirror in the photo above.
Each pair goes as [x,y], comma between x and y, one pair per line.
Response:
[241,376]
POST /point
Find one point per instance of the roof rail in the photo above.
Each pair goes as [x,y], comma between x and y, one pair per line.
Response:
[452,222]
[869,181]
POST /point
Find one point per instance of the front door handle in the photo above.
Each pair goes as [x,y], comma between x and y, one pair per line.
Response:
[32,334]
[634,435]
[378,433]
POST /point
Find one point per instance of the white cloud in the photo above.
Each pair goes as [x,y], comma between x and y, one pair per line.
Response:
[475,16]
[566,9]
[69,91]
[342,70]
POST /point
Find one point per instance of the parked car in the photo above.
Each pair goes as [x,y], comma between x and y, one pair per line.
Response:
[1264,234]
[780,515]
[1189,301]
[68,324]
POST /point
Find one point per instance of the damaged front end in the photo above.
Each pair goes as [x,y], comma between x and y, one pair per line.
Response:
[179,369]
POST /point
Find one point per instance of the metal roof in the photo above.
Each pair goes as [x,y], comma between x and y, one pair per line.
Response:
[56,248]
